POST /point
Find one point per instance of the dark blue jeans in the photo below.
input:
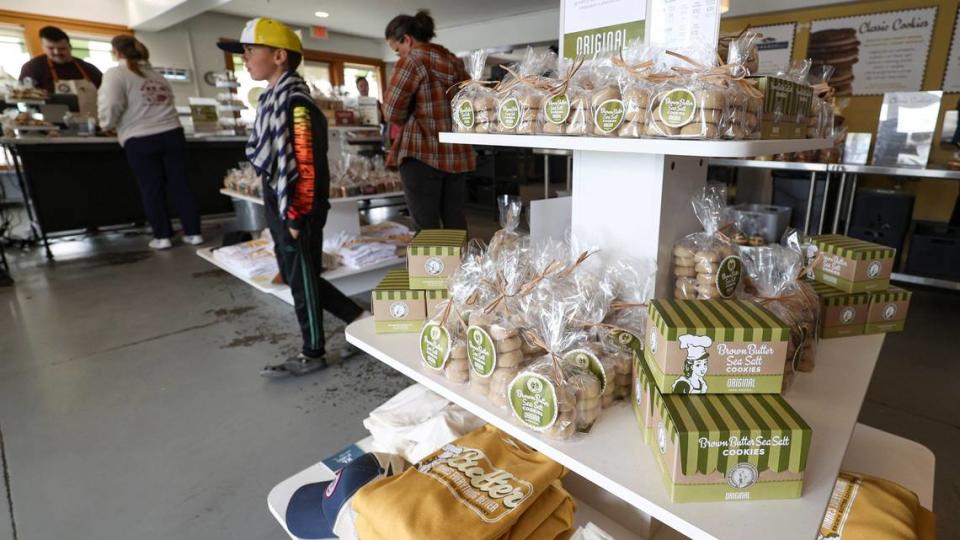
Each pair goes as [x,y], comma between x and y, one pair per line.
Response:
[160,165]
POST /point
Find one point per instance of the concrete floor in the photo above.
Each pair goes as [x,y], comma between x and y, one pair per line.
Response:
[130,405]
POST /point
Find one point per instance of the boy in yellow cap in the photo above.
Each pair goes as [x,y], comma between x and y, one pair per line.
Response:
[288,149]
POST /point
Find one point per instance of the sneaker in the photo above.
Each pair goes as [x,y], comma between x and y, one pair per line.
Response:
[302,364]
[160,243]
[193,239]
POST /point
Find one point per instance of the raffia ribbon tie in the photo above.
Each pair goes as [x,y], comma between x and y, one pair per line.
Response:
[507,85]
[583,257]
[471,82]
[535,339]
[561,86]
[617,305]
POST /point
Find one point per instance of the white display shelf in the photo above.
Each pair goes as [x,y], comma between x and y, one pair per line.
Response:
[280,495]
[349,280]
[673,147]
[337,200]
[614,456]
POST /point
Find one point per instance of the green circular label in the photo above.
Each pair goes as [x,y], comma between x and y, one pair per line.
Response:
[509,113]
[464,115]
[624,340]
[585,359]
[434,345]
[533,400]
[677,107]
[481,352]
[728,276]
[556,109]
[609,115]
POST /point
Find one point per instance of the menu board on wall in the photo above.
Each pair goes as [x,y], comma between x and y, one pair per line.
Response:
[775,47]
[951,79]
[874,53]
[598,26]
[685,25]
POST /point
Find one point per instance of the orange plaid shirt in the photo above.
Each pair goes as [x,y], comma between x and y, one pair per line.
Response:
[417,100]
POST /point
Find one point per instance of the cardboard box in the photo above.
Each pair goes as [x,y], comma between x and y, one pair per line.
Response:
[396,307]
[644,389]
[779,119]
[853,265]
[433,256]
[888,310]
[715,347]
[435,297]
[729,447]
[842,314]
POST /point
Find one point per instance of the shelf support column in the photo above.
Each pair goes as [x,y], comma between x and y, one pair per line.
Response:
[636,205]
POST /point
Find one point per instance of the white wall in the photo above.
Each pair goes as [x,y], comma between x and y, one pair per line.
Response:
[527,28]
[103,11]
[172,48]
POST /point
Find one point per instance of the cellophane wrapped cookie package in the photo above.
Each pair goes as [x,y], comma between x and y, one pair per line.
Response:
[638,76]
[561,112]
[706,265]
[474,105]
[744,100]
[692,104]
[521,94]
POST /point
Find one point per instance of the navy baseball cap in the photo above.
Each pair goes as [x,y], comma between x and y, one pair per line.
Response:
[313,509]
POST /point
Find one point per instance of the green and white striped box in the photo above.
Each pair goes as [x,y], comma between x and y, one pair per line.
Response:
[853,265]
[397,308]
[888,310]
[435,297]
[644,389]
[715,347]
[433,256]
[842,314]
[729,447]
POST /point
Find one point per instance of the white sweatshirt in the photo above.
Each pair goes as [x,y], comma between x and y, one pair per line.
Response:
[136,106]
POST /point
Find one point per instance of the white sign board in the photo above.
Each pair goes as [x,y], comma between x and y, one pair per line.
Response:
[689,26]
[874,53]
[951,79]
[589,27]
[775,47]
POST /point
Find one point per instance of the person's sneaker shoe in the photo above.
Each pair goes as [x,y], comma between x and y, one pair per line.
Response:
[302,364]
[160,243]
[193,239]
[274,370]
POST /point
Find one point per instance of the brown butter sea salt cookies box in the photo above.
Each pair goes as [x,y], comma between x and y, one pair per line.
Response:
[433,256]
[729,447]
[841,313]
[715,347]
[397,308]
[852,265]
[643,392]
[888,310]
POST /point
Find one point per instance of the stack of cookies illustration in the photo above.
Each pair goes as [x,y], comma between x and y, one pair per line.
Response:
[840,48]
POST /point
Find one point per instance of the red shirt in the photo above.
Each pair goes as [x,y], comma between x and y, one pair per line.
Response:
[417,100]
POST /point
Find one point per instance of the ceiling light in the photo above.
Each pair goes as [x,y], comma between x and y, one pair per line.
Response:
[322,14]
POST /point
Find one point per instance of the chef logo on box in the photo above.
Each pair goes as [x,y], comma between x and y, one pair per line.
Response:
[398,310]
[695,366]
[889,311]
[873,270]
[847,316]
[433,266]
[742,476]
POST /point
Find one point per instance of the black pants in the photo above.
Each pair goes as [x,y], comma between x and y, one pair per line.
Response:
[435,197]
[159,163]
[301,263]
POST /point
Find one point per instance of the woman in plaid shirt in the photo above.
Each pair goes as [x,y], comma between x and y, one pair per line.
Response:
[433,174]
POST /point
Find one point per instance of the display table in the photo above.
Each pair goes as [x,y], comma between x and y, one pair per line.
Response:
[77,183]
[614,456]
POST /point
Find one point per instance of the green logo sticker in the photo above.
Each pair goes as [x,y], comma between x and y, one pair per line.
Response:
[464,116]
[609,115]
[434,345]
[624,340]
[509,113]
[480,351]
[585,359]
[677,107]
[533,400]
[556,109]
[728,276]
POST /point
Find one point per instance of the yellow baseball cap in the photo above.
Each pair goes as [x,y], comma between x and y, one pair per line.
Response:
[268,32]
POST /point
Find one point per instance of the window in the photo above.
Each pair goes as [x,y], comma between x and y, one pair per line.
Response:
[351,72]
[96,50]
[13,51]
[317,75]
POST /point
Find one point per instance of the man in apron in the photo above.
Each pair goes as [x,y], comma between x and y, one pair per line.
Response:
[57,63]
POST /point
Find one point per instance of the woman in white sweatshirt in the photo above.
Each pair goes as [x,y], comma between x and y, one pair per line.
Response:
[137,103]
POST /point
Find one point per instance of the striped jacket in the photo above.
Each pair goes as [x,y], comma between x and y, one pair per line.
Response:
[417,100]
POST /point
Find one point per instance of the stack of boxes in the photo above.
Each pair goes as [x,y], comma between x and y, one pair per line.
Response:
[787,107]
[852,279]
[736,439]
[405,299]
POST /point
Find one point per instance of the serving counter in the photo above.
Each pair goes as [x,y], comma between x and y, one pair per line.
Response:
[78,183]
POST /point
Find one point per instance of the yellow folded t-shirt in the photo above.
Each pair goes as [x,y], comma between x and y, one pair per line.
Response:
[867,508]
[475,488]
[554,508]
